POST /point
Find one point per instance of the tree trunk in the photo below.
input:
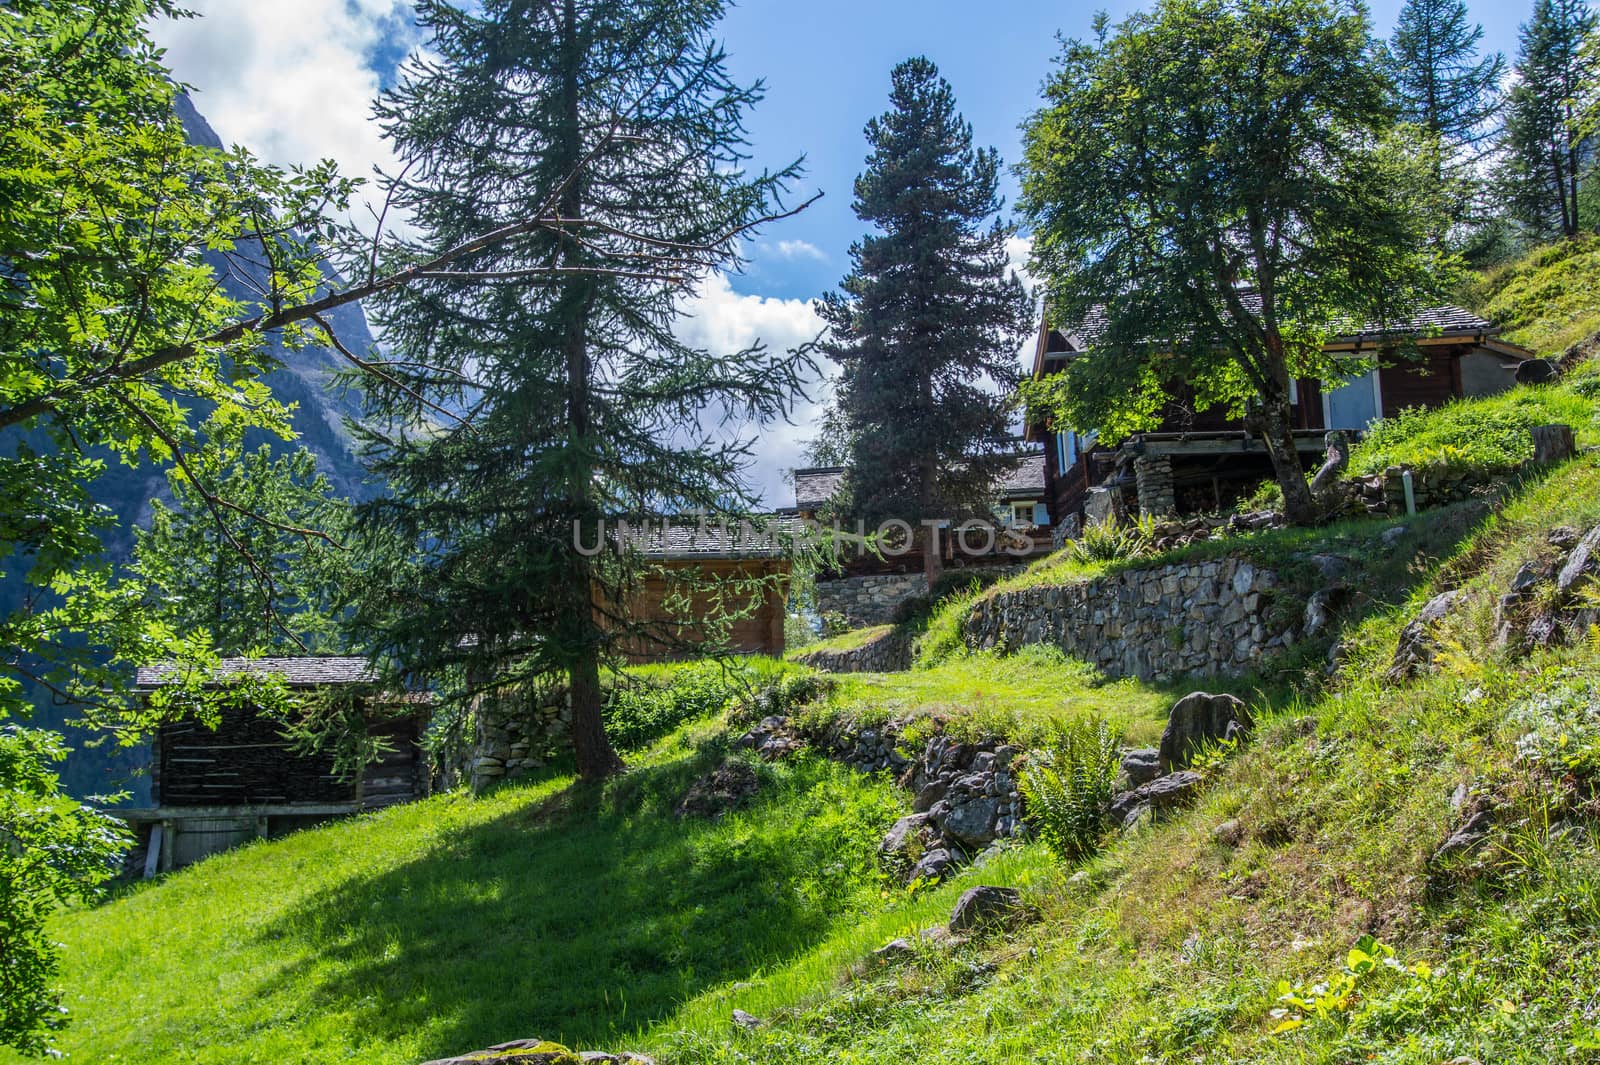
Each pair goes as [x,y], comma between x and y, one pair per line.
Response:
[595,756]
[932,561]
[1274,423]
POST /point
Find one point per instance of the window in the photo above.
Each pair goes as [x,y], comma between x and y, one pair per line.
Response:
[1066,450]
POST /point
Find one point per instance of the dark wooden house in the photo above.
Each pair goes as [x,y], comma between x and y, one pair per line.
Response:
[1209,459]
[746,564]
[1018,506]
[212,788]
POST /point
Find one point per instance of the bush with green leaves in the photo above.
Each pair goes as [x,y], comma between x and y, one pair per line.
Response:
[52,850]
[1067,786]
[642,709]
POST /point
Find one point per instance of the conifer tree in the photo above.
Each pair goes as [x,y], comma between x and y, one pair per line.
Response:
[928,312]
[1548,154]
[537,385]
[1441,82]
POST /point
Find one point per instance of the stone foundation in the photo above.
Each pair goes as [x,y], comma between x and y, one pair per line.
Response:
[1200,618]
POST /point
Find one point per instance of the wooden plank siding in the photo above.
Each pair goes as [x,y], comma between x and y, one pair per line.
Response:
[246,761]
[761,632]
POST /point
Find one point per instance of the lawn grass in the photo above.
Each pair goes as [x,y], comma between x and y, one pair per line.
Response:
[1018,696]
[450,924]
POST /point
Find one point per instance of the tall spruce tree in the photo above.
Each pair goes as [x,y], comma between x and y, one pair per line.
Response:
[928,312]
[1441,82]
[1548,154]
[525,403]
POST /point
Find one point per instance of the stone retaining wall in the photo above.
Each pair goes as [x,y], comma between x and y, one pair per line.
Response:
[1201,618]
[514,734]
[888,652]
[869,600]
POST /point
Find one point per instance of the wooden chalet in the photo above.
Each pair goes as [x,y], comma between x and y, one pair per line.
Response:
[1018,505]
[213,788]
[749,560]
[1201,460]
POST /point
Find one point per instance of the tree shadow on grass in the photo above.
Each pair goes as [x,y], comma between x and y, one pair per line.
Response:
[585,917]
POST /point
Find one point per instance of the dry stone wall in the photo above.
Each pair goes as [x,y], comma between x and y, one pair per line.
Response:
[869,600]
[515,734]
[1201,618]
[888,652]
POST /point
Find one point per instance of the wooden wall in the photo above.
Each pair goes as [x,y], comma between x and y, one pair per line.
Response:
[759,633]
[246,761]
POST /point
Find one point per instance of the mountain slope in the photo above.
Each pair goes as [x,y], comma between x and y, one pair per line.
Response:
[320,411]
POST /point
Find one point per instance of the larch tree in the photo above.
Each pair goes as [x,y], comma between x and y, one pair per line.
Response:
[1215,181]
[1444,85]
[537,387]
[1548,151]
[926,326]
[1442,82]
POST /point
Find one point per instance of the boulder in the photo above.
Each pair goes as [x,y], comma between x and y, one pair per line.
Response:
[1163,793]
[984,906]
[936,863]
[1196,720]
[930,794]
[1141,765]
[973,822]
[727,787]
[904,832]
[1583,561]
[1414,652]
[520,1052]
[1536,372]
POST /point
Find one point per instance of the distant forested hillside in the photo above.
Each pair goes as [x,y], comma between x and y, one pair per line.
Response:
[305,380]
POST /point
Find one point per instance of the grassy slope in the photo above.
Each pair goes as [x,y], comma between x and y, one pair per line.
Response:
[1547,301]
[602,920]
[1172,945]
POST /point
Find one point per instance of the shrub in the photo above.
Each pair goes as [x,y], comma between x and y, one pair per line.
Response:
[1067,786]
[639,712]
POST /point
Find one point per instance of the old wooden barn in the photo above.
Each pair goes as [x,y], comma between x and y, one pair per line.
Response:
[213,788]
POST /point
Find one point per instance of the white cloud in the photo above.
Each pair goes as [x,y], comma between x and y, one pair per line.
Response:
[721,320]
[290,79]
[796,249]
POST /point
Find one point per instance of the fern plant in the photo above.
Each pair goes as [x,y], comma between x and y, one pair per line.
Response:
[1110,540]
[1067,786]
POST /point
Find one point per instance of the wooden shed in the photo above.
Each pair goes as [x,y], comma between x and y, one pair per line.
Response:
[213,788]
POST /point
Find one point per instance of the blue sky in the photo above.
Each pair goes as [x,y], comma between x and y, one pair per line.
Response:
[827,62]
[293,80]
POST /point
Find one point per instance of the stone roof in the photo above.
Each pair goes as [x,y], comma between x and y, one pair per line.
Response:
[302,672]
[1026,478]
[1447,320]
[814,487]
[759,536]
